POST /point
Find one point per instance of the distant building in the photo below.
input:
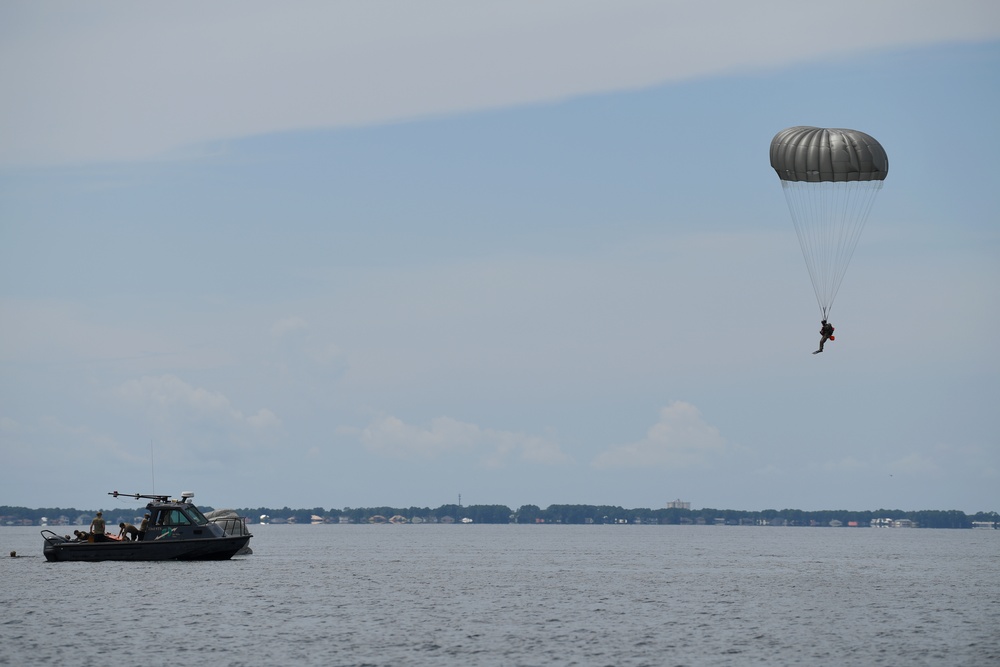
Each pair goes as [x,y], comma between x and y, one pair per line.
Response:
[893,523]
[678,505]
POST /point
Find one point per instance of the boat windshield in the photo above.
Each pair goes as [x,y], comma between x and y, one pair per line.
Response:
[174,518]
[196,514]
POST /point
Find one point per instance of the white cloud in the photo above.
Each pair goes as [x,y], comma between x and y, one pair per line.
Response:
[392,438]
[118,81]
[681,439]
[163,394]
[263,419]
[188,413]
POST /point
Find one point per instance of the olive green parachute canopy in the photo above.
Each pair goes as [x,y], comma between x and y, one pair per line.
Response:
[817,154]
[830,178]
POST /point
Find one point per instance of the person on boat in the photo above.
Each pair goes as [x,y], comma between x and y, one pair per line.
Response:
[97,528]
[80,536]
[826,333]
[128,531]
[143,526]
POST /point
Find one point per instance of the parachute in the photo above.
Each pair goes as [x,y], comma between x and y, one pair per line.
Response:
[830,178]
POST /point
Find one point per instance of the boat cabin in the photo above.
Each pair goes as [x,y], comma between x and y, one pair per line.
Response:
[177,519]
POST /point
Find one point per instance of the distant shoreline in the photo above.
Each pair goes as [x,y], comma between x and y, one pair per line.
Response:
[532,514]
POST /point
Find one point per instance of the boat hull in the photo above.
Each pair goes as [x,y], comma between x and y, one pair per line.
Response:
[213,548]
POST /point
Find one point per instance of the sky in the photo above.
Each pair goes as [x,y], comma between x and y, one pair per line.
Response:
[370,253]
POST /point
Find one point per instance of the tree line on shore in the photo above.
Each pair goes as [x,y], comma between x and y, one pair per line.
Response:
[533,514]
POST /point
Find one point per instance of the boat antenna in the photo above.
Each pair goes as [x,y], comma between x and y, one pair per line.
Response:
[152,470]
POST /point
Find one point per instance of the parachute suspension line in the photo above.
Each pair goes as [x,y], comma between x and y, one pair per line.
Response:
[829,218]
[804,206]
[858,199]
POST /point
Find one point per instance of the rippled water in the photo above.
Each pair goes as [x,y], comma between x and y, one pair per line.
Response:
[519,595]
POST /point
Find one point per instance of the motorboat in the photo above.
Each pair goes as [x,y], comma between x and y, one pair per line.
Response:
[176,530]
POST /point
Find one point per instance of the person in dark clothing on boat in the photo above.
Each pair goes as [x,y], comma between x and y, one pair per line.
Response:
[128,531]
[826,333]
[143,526]
[80,536]
[97,528]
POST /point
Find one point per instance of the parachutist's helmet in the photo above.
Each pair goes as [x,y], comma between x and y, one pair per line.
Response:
[822,322]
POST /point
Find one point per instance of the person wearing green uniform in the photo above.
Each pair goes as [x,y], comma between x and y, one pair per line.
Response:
[826,333]
[97,528]
[128,531]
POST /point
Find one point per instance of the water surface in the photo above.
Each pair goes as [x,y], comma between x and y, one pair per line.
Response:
[519,595]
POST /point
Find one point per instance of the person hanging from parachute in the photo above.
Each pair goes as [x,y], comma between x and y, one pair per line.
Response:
[826,333]
[830,177]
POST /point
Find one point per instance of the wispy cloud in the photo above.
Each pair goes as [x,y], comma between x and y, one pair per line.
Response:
[114,82]
[186,413]
[390,437]
[680,439]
